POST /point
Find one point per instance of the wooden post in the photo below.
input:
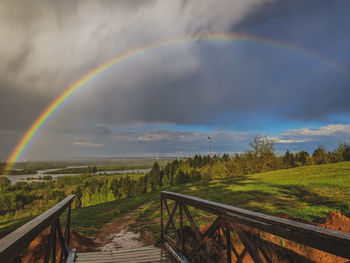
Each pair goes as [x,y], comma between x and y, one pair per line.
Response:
[181,229]
[48,248]
[54,243]
[13,245]
[67,230]
[64,252]
[228,242]
[161,217]
[326,240]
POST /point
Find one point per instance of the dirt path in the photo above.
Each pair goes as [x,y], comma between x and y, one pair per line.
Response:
[118,235]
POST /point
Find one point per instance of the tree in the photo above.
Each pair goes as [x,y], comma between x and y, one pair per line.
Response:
[93,169]
[319,156]
[264,151]
[182,177]
[155,176]
[225,157]
[288,159]
[219,170]
[302,158]
[4,183]
[343,151]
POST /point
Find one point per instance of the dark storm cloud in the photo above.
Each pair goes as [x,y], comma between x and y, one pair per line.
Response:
[47,45]
[196,83]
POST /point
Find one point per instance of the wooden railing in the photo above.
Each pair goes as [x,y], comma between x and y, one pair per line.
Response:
[14,244]
[232,219]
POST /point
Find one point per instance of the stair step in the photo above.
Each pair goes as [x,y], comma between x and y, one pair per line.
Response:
[146,254]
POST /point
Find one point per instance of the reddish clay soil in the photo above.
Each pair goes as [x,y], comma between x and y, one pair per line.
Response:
[36,249]
[336,221]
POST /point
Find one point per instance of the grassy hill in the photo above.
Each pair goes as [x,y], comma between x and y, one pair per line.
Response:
[306,193]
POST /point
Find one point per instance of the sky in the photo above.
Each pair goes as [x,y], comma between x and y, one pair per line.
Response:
[167,101]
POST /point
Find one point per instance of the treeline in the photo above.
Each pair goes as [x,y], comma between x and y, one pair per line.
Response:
[74,170]
[260,158]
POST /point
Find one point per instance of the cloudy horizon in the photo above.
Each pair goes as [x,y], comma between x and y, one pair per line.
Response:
[166,102]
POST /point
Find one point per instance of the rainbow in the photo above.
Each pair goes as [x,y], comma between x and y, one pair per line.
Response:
[55,104]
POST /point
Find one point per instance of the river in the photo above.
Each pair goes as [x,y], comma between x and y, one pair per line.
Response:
[40,173]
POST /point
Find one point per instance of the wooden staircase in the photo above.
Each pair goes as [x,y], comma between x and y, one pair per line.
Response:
[146,254]
[229,219]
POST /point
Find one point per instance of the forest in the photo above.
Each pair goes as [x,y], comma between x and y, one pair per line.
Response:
[28,199]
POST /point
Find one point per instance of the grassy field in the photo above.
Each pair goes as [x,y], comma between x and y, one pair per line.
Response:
[306,193]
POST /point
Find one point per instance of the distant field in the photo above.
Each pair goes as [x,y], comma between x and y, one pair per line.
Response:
[306,193]
[101,165]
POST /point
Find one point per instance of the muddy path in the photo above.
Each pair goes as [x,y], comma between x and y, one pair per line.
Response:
[118,234]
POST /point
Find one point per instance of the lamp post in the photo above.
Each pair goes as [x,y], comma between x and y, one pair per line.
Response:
[209,153]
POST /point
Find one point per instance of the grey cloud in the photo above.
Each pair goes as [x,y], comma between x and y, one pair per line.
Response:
[179,143]
[50,44]
[135,143]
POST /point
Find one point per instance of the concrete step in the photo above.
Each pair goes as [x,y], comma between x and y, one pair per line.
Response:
[146,254]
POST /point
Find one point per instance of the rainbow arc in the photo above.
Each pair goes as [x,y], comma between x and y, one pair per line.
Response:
[56,103]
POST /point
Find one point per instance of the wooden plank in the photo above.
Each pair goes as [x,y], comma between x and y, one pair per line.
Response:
[113,259]
[17,241]
[180,258]
[170,240]
[126,258]
[228,242]
[71,256]
[197,234]
[134,249]
[253,251]
[170,215]
[117,252]
[324,239]
[210,231]
[118,255]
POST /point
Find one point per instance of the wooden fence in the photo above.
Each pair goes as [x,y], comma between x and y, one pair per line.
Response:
[14,244]
[231,219]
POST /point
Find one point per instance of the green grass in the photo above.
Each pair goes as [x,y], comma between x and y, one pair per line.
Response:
[306,193]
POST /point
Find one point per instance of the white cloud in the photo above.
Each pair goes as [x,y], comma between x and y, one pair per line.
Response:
[331,133]
[87,144]
[277,140]
[329,130]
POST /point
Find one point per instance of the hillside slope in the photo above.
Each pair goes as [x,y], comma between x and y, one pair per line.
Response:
[305,193]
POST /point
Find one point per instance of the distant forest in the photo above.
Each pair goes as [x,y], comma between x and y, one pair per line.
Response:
[27,199]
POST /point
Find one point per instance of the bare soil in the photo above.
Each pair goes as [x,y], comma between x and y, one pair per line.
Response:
[117,235]
[36,249]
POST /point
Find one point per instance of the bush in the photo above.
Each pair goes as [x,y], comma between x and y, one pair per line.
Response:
[182,177]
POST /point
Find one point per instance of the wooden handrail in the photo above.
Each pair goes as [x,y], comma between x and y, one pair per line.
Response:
[12,245]
[327,240]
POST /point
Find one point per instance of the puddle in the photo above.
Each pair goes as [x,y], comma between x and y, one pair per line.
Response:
[125,239]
